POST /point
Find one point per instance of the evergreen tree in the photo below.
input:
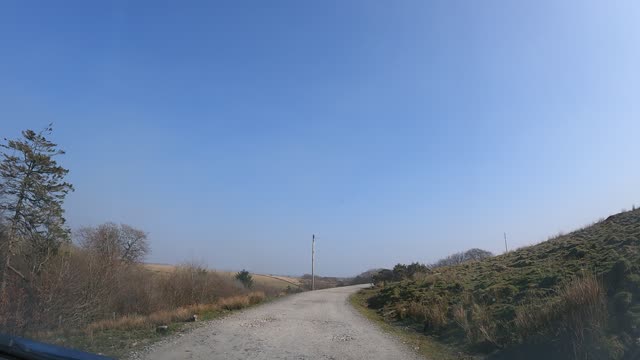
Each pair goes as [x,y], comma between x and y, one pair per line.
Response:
[245,278]
[32,191]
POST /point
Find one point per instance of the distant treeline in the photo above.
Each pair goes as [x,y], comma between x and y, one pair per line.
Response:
[402,271]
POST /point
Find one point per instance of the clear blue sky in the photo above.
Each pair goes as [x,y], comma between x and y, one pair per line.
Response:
[396,131]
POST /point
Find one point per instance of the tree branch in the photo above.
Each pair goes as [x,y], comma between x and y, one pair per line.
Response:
[17,272]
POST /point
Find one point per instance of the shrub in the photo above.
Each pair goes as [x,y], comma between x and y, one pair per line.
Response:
[618,273]
[462,257]
[633,281]
[245,278]
[417,311]
[193,284]
[365,277]
[622,301]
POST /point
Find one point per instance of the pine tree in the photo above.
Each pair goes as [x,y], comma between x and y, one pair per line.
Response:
[32,191]
[245,278]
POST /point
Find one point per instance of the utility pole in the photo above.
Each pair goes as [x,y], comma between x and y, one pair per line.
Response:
[506,249]
[313,254]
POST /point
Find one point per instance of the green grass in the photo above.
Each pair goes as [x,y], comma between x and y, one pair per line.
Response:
[476,304]
[424,345]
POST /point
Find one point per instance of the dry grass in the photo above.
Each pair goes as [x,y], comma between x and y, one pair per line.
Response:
[256,297]
[578,313]
[234,302]
[260,280]
[424,345]
[160,268]
[182,314]
[127,322]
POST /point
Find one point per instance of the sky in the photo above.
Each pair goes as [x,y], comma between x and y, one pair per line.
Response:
[231,131]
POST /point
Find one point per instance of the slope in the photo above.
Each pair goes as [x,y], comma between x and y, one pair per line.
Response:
[573,296]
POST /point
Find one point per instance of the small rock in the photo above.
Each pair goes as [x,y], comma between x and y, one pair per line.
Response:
[162,329]
[342,338]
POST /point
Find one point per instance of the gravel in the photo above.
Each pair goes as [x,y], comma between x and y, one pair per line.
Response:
[312,325]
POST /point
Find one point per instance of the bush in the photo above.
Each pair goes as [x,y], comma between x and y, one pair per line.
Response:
[192,284]
[365,277]
[81,288]
[622,301]
[245,278]
[462,257]
[633,281]
[618,273]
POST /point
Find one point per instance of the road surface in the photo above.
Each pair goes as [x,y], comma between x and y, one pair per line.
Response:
[312,325]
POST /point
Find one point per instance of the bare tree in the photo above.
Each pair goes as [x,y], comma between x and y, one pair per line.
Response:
[134,244]
[113,242]
[462,257]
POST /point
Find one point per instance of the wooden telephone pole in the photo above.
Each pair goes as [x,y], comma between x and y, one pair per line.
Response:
[506,249]
[313,254]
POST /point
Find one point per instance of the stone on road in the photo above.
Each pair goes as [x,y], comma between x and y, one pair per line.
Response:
[312,325]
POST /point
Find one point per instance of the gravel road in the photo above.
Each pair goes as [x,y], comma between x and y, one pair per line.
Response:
[312,325]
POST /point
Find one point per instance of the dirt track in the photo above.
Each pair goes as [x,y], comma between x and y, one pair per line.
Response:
[312,325]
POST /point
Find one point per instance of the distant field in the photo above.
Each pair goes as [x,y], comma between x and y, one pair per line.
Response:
[275,281]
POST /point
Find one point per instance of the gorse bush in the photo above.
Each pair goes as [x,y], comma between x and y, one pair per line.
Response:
[365,277]
[400,272]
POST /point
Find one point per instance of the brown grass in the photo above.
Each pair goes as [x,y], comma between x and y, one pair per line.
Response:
[260,280]
[475,321]
[234,302]
[182,314]
[579,313]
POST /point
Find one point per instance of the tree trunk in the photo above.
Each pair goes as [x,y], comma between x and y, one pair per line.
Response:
[12,233]
[5,270]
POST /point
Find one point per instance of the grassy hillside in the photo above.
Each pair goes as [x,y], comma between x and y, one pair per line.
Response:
[573,296]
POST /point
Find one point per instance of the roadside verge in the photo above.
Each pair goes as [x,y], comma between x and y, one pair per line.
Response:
[420,343]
